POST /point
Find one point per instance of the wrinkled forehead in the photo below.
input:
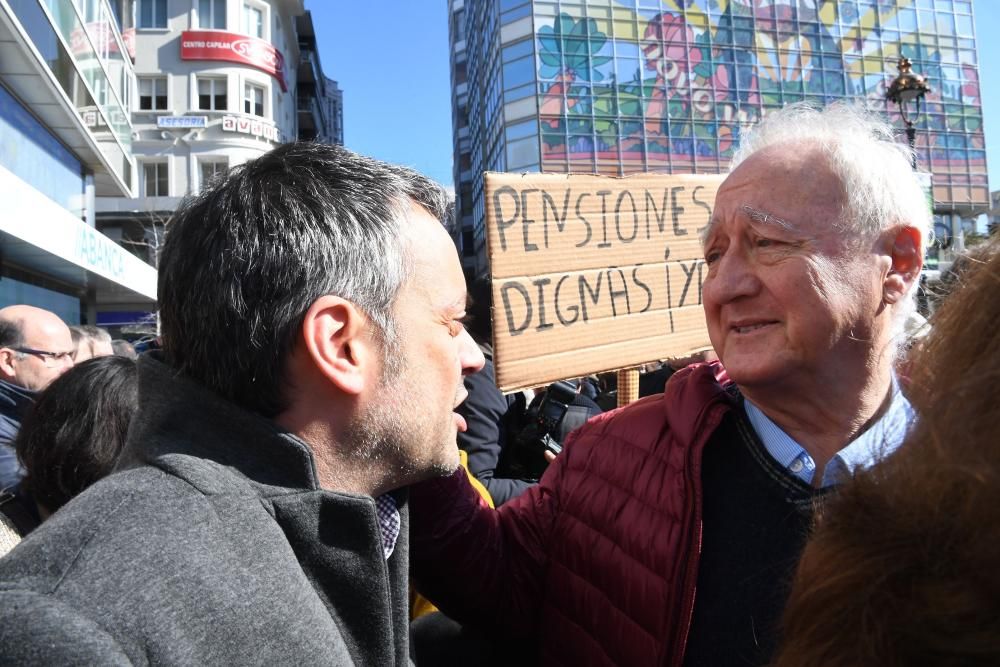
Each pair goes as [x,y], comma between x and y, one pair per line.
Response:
[781,189]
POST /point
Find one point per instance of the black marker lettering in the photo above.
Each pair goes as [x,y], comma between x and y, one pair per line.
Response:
[575,309]
[689,272]
[595,294]
[526,221]
[540,283]
[603,194]
[701,279]
[676,211]
[502,224]
[505,290]
[708,209]
[670,296]
[583,220]
[618,219]
[549,203]
[644,287]
[615,294]
[661,218]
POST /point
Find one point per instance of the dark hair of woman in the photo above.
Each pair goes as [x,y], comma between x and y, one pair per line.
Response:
[904,566]
[74,433]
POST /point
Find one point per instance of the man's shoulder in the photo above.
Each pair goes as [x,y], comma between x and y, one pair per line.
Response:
[120,525]
[9,426]
[683,403]
[40,629]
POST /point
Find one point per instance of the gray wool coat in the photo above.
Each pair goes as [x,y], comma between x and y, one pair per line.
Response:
[214,545]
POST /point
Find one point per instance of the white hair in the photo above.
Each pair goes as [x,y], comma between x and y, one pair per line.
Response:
[881,187]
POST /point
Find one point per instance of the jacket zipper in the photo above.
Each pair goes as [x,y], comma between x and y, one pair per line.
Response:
[675,655]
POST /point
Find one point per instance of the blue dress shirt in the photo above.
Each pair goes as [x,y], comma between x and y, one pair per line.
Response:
[877,441]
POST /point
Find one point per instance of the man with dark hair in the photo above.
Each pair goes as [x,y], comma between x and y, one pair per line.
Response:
[312,358]
[35,349]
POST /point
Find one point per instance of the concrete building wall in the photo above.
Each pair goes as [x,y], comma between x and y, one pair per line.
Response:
[65,136]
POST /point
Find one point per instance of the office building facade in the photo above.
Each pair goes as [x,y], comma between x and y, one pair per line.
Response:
[319,98]
[215,88]
[622,86]
[66,85]
[219,83]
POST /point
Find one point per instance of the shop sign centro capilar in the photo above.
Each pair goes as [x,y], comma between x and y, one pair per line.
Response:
[232,47]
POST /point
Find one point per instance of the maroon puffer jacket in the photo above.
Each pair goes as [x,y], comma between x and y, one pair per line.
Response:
[598,562]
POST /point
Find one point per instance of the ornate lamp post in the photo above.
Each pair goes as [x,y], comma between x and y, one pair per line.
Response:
[905,90]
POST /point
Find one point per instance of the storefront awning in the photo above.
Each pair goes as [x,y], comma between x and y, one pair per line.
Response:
[38,234]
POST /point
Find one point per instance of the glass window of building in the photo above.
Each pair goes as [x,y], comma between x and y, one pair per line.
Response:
[152,14]
[152,93]
[211,168]
[30,150]
[212,93]
[212,14]
[253,99]
[468,243]
[155,179]
[253,20]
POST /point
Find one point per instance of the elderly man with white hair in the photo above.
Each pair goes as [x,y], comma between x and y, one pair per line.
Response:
[666,532]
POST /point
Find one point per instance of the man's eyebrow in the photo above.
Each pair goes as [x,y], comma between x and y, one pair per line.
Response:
[765,218]
[755,214]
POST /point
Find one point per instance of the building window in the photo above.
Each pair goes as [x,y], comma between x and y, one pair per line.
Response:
[253,20]
[253,99]
[210,169]
[152,14]
[212,14]
[212,94]
[468,243]
[155,182]
[152,93]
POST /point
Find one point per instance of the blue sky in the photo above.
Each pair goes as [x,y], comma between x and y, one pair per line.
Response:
[391,60]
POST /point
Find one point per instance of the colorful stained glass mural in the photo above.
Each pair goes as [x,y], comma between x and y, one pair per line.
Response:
[664,85]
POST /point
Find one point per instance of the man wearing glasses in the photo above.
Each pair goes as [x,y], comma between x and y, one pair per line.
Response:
[35,349]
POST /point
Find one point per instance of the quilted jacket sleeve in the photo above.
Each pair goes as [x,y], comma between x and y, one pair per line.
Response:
[480,566]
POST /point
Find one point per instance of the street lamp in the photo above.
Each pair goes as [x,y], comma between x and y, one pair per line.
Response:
[905,89]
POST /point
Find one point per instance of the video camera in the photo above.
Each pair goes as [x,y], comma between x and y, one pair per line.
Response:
[541,430]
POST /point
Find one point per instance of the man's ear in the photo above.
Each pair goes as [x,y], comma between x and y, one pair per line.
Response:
[7,357]
[907,260]
[335,334]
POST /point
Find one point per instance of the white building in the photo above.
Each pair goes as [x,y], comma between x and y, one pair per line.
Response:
[66,86]
[216,87]
[217,84]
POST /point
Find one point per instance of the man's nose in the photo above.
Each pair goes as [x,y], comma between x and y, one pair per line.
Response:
[735,276]
[470,355]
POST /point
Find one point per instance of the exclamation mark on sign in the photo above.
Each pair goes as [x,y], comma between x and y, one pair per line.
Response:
[670,297]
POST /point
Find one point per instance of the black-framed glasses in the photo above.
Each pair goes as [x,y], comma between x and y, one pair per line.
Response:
[45,355]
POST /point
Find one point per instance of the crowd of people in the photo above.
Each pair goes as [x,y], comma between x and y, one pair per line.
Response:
[67,394]
[280,480]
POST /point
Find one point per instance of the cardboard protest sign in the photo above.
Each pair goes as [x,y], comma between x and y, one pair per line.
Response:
[592,273]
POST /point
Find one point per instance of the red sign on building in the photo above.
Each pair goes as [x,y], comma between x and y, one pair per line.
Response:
[231,47]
